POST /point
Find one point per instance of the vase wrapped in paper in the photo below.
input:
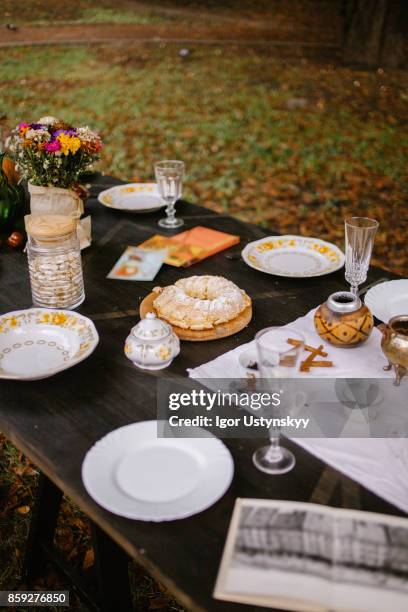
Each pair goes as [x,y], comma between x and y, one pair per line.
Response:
[52,155]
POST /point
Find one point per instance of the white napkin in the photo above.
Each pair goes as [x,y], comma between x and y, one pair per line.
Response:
[380,465]
[364,361]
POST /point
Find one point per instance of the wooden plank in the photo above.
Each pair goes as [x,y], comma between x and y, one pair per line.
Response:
[57,420]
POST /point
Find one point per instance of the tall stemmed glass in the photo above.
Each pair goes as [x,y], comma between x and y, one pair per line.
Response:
[169,176]
[278,352]
[359,233]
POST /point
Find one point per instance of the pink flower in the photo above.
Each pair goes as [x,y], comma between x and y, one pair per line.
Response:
[22,126]
[52,146]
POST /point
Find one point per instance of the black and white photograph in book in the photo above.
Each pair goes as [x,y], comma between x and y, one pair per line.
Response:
[310,542]
[309,557]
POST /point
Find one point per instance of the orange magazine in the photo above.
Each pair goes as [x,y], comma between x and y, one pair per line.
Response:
[191,246]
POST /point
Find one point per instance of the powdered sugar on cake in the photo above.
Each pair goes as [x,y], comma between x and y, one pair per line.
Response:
[200,302]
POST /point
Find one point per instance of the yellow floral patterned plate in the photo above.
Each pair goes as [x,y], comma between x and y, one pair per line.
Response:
[293,256]
[37,343]
[132,197]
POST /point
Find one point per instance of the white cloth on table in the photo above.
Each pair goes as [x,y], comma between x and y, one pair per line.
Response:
[379,464]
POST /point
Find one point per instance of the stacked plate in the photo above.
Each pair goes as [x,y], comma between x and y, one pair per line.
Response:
[134,473]
[132,197]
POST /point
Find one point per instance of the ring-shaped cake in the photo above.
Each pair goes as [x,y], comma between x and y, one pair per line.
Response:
[200,302]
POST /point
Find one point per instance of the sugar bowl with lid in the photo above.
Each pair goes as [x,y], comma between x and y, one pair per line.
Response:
[152,344]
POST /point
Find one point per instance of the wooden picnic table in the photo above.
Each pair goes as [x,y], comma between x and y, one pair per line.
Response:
[55,421]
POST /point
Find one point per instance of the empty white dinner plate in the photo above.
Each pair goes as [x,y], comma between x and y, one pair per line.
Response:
[135,474]
[293,256]
[38,342]
[388,300]
[132,197]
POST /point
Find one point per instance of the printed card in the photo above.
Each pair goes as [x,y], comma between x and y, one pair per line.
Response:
[138,264]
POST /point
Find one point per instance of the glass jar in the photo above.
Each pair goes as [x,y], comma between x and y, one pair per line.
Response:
[54,261]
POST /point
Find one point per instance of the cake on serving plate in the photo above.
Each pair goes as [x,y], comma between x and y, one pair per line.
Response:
[200,302]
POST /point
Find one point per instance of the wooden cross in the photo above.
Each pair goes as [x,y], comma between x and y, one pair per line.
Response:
[310,361]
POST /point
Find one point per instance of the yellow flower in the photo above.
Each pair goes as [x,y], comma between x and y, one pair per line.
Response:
[163,353]
[83,347]
[265,246]
[59,318]
[69,144]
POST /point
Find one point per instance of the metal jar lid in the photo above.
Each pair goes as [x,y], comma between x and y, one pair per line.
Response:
[343,302]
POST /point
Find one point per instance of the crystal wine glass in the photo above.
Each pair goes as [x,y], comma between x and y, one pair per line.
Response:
[169,177]
[278,353]
[359,233]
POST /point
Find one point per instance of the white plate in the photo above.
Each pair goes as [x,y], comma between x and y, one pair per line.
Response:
[135,474]
[388,300]
[293,256]
[132,197]
[37,343]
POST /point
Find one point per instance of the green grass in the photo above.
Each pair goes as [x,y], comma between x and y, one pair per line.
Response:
[113,15]
[43,12]
[101,15]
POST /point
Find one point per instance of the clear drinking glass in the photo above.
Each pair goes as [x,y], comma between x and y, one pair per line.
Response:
[169,176]
[359,233]
[278,352]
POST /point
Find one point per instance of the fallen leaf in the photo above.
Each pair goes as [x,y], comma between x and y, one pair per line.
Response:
[89,559]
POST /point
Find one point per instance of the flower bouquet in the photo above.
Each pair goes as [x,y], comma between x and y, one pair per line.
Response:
[52,155]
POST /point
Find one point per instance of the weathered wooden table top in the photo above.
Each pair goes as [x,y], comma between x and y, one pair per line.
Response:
[56,421]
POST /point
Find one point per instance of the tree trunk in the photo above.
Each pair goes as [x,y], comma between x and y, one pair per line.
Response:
[375,32]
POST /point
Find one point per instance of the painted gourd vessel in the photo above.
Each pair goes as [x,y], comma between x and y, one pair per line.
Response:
[343,320]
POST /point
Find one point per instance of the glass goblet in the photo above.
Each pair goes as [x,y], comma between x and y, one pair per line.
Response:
[359,234]
[278,353]
[169,177]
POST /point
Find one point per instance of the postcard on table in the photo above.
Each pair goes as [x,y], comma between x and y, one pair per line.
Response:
[138,264]
[191,246]
[312,558]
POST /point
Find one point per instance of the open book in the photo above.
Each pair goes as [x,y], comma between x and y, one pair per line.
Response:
[301,556]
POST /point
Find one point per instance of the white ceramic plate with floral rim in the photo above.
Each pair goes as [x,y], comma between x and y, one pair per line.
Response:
[293,256]
[132,197]
[134,473]
[37,343]
[388,300]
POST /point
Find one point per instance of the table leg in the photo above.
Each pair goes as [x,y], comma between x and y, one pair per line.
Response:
[112,570]
[42,528]
[111,562]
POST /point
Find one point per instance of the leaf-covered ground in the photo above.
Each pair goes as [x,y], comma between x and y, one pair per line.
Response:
[296,145]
